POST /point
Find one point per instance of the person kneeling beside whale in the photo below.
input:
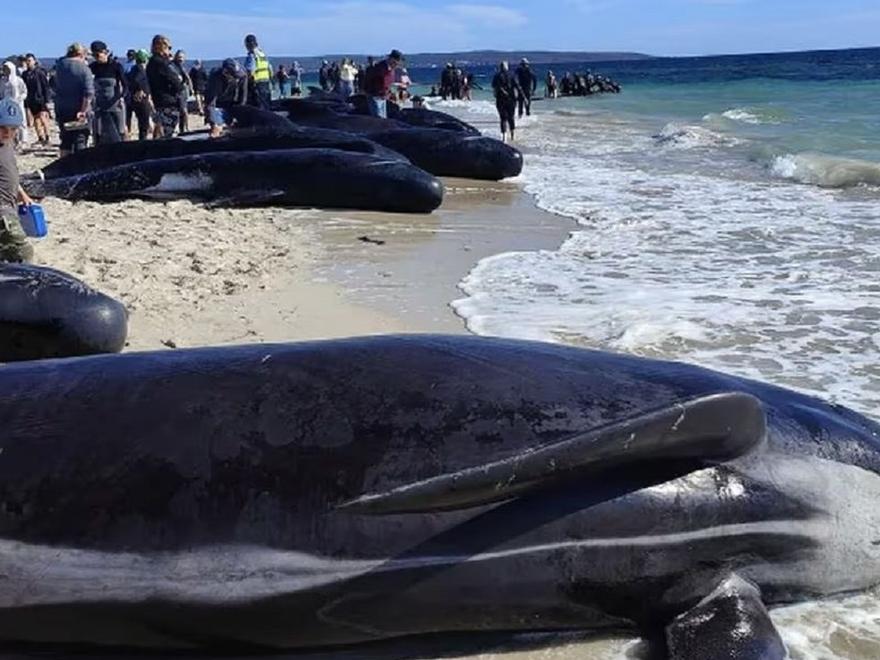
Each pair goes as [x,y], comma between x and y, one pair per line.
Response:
[227,88]
[13,243]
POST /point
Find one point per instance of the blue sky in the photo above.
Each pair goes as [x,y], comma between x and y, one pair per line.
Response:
[659,27]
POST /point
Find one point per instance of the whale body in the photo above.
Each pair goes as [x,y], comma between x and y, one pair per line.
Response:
[343,492]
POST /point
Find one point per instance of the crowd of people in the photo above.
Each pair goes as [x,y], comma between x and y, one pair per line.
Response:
[97,97]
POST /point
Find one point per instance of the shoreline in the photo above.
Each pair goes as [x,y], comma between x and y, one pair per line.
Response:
[191,277]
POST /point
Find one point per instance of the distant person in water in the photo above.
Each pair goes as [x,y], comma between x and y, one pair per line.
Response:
[378,83]
[552,91]
[507,91]
[528,84]
[296,74]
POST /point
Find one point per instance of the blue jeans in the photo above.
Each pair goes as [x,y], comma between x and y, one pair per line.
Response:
[378,106]
[346,88]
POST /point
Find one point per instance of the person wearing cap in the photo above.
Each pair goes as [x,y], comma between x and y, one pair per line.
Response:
[378,82]
[74,91]
[140,105]
[166,84]
[111,89]
[528,84]
[130,60]
[259,72]
[13,242]
[227,87]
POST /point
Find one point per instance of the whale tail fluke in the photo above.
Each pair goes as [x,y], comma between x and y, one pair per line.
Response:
[705,431]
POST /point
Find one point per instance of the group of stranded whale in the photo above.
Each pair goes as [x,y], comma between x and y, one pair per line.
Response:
[344,494]
[320,151]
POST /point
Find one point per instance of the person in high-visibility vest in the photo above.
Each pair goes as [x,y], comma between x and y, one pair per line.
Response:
[259,71]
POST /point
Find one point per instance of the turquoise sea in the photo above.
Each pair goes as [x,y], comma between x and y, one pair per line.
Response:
[725,211]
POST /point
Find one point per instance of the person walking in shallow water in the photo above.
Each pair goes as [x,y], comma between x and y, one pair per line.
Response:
[507,90]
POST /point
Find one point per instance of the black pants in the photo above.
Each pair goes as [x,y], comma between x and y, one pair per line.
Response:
[261,96]
[169,117]
[507,114]
[141,110]
[524,103]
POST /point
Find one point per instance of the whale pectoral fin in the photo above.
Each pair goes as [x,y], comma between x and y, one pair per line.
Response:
[246,198]
[731,623]
[683,437]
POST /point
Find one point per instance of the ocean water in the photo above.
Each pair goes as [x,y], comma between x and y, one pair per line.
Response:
[725,212]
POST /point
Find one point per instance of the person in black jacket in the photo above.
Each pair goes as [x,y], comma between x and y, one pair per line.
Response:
[507,91]
[166,85]
[179,64]
[227,87]
[139,93]
[199,78]
[528,84]
[38,95]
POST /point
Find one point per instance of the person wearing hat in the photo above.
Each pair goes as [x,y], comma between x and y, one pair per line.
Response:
[259,72]
[378,81]
[111,89]
[227,87]
[140,105]
[528,84]
[74,91]
[13,242]
[166,84]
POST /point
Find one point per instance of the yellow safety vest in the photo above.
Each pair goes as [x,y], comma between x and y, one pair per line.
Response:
[263,70]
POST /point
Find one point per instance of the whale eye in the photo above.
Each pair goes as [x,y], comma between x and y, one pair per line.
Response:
[875,542]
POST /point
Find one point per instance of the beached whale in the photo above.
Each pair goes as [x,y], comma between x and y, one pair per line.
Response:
[273,138]
[326,493]
[446,153]
[322,178]
[45,313]
[425,118]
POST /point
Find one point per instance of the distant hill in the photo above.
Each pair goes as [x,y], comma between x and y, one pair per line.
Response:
[469,58]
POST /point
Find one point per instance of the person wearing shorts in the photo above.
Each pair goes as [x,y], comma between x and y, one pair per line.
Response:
[74,91]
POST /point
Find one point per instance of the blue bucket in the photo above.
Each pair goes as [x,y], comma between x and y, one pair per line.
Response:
[33,220]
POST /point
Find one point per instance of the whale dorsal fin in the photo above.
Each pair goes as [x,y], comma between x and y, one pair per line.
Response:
[705,431]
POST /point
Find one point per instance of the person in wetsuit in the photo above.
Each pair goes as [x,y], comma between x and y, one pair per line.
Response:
[507,90]
[111,89]
[528,84]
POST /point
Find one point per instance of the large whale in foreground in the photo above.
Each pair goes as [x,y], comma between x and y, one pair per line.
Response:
[335,493]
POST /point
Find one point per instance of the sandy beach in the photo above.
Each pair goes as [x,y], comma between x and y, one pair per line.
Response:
[191,276]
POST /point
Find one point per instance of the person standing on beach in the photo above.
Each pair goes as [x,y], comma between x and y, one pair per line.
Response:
[282,80]
[38,93]
[259,71]
[14,88]
[296,74]
[13,242]
[528,84]
[179,64]
[140,103]
[324,76]
[199,79]
[165,85]
[507,91]
[74,91]
[111,88]
[378,81]
[347,74]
